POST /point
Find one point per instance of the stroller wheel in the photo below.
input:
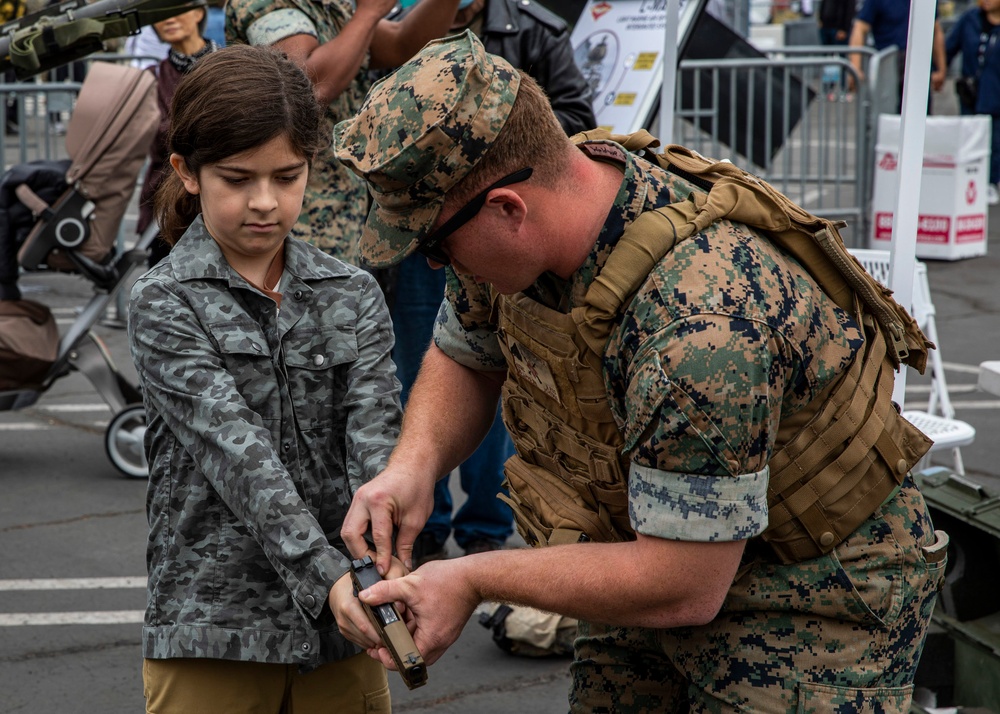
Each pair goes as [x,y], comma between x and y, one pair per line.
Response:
[123,441]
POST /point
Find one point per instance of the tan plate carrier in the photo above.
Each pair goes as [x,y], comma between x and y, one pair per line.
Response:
[835,462]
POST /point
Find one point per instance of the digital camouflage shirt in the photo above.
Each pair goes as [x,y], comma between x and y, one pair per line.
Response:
[336,201]
[726,337]
[262,423]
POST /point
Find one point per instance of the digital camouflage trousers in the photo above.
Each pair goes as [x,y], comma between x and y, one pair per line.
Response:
[841,633]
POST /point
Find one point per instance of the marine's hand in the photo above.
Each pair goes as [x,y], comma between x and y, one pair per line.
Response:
[439,600]
[351,616]
[396,498]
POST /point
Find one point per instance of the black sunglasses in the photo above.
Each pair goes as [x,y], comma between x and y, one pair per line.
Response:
[429,247]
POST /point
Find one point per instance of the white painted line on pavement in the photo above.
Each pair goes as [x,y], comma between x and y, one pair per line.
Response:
[36,426]
[986,404]
[957,367]
[104,617]
[994,404]
[952,388]
[132,581]
[95,407]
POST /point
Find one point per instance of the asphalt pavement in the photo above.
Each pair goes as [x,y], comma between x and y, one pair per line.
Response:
[72,529]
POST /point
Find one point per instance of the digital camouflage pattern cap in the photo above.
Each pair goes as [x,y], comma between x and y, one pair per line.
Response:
[418,133]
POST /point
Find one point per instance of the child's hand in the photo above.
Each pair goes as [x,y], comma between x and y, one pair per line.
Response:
[350,615]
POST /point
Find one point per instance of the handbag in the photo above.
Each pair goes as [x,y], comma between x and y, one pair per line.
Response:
[967,89]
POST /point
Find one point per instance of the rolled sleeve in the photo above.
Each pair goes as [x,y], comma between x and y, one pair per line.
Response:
[477,348]
[692,507]
[279,24]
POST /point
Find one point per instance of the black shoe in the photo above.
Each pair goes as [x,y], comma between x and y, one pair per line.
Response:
[482,545]
[427,548]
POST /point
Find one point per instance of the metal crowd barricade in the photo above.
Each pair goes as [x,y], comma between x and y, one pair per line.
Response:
[37,106]
[794,120]
[42,110]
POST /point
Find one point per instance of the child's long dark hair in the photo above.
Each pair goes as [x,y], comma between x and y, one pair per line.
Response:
[233,100]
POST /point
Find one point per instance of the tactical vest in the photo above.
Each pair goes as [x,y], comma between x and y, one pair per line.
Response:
[834,462]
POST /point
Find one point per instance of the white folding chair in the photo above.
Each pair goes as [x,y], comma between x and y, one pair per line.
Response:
[938,422]
[989,377]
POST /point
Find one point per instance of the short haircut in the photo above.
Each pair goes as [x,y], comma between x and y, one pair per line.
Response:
[531,136]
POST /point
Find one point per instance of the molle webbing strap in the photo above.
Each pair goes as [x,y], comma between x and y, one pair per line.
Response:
[839,417]
[806,486]
[645,242]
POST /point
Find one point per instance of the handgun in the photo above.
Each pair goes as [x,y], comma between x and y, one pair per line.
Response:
[390,626]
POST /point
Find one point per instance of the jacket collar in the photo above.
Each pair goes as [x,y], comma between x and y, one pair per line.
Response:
[197,256]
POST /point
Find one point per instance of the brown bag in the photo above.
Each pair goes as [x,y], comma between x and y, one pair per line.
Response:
[29,344]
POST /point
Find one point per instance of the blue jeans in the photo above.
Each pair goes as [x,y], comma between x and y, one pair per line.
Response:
[419,290]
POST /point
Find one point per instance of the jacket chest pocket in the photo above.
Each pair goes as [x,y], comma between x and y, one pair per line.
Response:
[247,358]
[318,362]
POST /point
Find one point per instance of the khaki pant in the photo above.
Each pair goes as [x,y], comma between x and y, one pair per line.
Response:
[214,686]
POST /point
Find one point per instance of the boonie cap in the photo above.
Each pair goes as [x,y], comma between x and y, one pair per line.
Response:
[419,132]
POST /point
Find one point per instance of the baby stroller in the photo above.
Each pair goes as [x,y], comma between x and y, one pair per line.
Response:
[107,140]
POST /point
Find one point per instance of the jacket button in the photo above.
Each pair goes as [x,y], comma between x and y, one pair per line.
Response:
[286,445]
[297,295]
[509,26]
[310,601]
[306,647]
[826,540]
[901,466]
[318,360]
[255,346]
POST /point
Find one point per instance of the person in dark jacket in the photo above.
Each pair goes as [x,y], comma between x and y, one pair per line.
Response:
[974,35]
[535,40]
[835,19]
[184,34]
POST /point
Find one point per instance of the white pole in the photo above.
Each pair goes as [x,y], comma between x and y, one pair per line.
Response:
[912,125]
[668,87]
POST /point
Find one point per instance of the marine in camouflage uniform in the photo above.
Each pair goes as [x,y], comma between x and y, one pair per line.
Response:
[726,337]
[261,425]
[336,201]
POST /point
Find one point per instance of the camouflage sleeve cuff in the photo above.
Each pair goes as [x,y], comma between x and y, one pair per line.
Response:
[312,592]
[694,507]
[476,349]
[279,24]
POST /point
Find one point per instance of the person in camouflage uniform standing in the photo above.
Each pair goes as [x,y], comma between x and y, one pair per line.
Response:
[336,42]
[269,391]
[670,423]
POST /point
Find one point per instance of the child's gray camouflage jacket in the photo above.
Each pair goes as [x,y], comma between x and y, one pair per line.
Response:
[261,425]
